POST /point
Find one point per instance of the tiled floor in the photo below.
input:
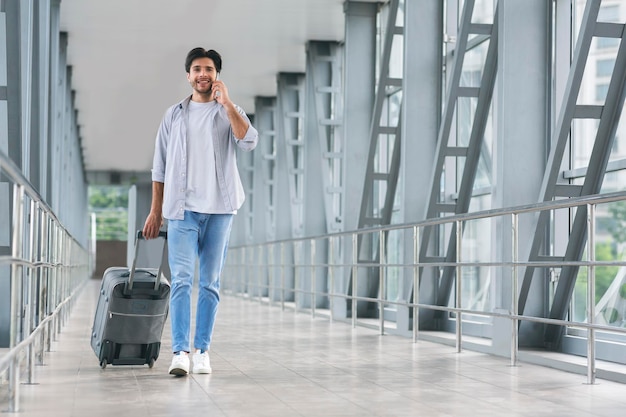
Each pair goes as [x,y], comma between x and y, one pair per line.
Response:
[267,362]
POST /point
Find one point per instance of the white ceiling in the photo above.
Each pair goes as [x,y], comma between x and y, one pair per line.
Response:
[127,59]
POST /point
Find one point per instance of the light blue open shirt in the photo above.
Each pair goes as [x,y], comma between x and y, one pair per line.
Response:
[169,165]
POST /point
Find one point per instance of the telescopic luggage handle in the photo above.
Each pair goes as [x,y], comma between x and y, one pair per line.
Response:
[139,236]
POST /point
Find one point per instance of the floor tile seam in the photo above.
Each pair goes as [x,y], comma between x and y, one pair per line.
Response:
[347,397]
[312,382]
[248,378]
[289,406]
[207,394]
[531,398]
[139,388]
[352,374]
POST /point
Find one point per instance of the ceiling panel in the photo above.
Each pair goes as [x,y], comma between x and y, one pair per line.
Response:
[127,59]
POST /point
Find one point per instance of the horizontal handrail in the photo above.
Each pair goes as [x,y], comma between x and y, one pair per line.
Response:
[8,167]
[500,212]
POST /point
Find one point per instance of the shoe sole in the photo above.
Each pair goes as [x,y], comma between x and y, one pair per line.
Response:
[178,372]
[202,371]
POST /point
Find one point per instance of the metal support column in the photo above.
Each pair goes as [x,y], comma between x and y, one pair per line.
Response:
[325,152]
[291,120]
[553,187]
[359,83]
[467,155]
[324,86]
[290,171]
[261,176]
[383,161]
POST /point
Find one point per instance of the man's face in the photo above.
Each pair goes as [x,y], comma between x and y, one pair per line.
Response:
[201,75]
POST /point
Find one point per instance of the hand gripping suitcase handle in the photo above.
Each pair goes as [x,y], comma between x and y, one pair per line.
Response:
[131,276]
[162,233]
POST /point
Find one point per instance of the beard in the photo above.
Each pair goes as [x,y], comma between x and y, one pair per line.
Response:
[203,89]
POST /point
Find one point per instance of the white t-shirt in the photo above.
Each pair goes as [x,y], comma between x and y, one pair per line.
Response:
[202,193]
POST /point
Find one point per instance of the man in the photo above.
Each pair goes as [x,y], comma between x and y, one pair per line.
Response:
[196,187]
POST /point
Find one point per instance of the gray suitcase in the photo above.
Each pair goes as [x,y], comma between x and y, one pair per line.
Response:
[132,309]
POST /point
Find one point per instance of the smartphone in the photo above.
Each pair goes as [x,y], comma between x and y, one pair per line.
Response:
[217,77]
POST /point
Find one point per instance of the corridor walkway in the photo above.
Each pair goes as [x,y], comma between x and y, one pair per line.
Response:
[268,362]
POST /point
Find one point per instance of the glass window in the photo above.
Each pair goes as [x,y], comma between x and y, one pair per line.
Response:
[601,91]
[607,43]
[604,67]
[610,239]
[609,13]
[610,281]
[483,11]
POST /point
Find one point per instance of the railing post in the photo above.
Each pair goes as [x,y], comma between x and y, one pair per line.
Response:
[252,277]
[270,274]
[381,281]
[52,282]
[282,276]
[331,276]
[49,281]
[242,273]
[65,283]
[459,236]
[355,273]
[514,284]
[259,271]
[29,320]
[249,281]
[591,293]
[297,247]
[16,295]
[59,279]
[248,271]
[313,278]
[248,290]
[416,281]
[43,282]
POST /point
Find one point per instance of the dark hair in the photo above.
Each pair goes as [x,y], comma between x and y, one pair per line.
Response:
[196,53]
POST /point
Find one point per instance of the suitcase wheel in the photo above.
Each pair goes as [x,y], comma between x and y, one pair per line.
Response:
[151,363]
[103,364]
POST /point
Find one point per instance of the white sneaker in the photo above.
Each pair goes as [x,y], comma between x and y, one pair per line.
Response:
[201,363]
[180,364]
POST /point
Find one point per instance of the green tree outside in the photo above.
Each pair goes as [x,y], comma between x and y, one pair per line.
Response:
[613,224]
[604,277]
[110,205]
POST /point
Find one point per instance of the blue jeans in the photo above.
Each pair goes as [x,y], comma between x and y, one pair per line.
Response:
[204,237]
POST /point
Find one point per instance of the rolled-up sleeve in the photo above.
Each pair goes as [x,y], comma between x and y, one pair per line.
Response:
[250,139]
[160,148]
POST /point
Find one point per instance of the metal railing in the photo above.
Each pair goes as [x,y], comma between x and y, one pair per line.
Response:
[259,271]
[47,268]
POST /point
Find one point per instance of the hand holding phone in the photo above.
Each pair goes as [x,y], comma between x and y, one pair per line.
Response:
[220,92]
